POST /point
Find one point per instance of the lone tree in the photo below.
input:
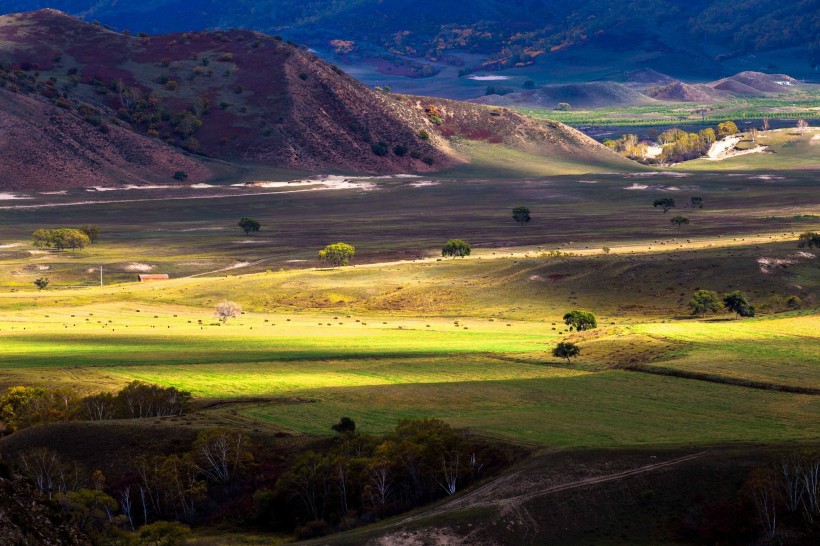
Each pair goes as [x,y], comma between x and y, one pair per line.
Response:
[180,175]
[566,349]
[337,254]
[679,221]
[737,303]
[249,224]
[521,215]
[704,301]
[41,283]
[456,247]
[727,128]
[226,310]
[808,239]
[581,320]
[345,424]
[666,203]
[697,202]
[802,125]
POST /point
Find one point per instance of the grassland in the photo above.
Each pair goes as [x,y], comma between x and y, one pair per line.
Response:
[806,106]
[404,333]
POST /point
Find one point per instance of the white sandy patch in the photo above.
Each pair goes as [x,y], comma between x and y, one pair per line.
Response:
[38,252]
[60,192]
[767,177]
[636,186]
[326,182]
[653,151]
[722,147]
[767,264]
[487,78]
[815,139]
[12,196]
[251,242]
[537,278]
[294,261]
[129,187]
[40,267]
[804,255]
[11,245]
[423,184]
[672,174]
[237,265]
[588,181]
[201,186]
[136,266]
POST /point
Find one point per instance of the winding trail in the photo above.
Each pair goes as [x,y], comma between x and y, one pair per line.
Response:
[488,494]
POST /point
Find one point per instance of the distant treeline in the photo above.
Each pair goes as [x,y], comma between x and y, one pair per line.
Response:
[678,145]
[22,407]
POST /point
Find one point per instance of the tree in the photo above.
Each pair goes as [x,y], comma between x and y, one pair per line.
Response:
[697,202]
[521,215]
[581,320]
[92,232]
[802,125]
[221,454]
[41,238]
[165,533]
[666,203]
[345,424]
[753,133]
[41,283]
[704,301]
[69,238]
[456,247]
[765,124]
[249,224]
[738,304]
[809,239]
[564,106]
[226,310]
[182,176]
[337,254]
[679,221]
[727,128]
[566,349]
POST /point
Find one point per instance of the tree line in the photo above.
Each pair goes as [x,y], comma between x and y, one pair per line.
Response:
[22,407]
[226,476]
[62,238]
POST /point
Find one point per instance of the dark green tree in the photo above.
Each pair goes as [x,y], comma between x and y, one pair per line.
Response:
[808,239]
[666,203]
[704,301]
[566,349]
[182,176]
[697,202]
[456,247]
[41,283]
[92,232]
[581,320]
[738,304]
[679,221]
[521,215]
[345,424]
[249,224]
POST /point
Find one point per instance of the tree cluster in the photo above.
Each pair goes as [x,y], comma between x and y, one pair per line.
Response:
[708,301]
[337,254]
[22,407]
[456,248]
[62,238]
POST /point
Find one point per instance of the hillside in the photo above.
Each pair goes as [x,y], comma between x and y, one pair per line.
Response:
[119,108]
[579,95]
[701,39]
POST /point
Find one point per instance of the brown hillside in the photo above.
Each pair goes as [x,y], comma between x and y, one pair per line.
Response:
[239,96]
[685,92]
[756,84]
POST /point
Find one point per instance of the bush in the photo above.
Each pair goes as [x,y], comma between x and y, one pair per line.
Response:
[380,148]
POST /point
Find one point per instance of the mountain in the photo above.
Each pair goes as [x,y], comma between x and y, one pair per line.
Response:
[97,107]
[393,39]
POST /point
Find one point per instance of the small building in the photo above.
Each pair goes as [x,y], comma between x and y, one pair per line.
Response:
[150,277]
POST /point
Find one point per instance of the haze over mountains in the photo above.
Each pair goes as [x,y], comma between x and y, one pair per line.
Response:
[120,108]
[403,42]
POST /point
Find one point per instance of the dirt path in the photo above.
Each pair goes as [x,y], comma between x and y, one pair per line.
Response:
[493,493]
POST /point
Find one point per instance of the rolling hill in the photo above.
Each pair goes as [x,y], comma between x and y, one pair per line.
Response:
[700,40]
[120,108]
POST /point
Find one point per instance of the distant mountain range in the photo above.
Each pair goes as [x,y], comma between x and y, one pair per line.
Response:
[393,40]
[81,105]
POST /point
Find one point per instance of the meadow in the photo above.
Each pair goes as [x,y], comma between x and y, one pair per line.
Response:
[404,333]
